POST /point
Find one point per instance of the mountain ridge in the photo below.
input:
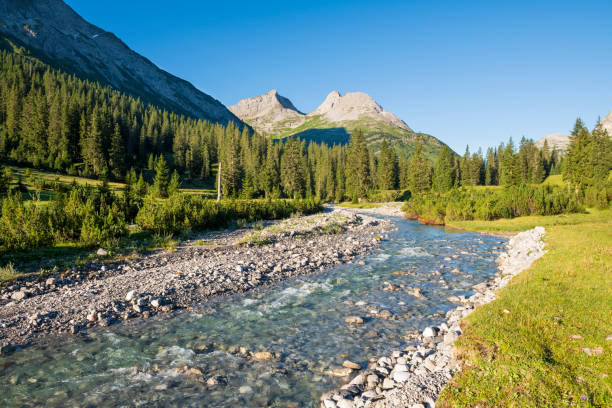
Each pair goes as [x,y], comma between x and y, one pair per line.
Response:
[53,32]
[332,121]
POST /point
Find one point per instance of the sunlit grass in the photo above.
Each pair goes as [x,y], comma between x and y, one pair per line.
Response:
[526,358]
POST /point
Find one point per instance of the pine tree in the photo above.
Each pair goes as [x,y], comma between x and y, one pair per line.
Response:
[358,176]
[443,170]
[117,153]
[387,168]
[419,171]
[160,183]
[175,183]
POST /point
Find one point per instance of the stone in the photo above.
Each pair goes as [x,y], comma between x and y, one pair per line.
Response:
[401,376]
[385,314]
[156,303]
[401,367]
[358,380]
[340,372]
[131,295]
[609,338]
[351,365]
[245,389]
[101,252]
[354,320]
[388,384]
[195,372]
[430,332]
[50,282]
[262,356]
[575,337]
[329,403]
[20,295]
[344,403]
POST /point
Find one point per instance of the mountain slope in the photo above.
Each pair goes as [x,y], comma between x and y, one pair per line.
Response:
[51,31]
[332,122]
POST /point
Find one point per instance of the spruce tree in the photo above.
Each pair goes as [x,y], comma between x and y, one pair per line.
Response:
[160,183]
[175,183]
[443,170]
[419,170]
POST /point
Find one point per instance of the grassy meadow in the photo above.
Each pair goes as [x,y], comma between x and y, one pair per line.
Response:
[543,342]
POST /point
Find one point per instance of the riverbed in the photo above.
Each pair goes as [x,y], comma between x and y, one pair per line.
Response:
[276,345]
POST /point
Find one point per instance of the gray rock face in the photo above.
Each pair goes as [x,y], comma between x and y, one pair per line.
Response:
[555,141]
[269,112]
[607,123]
[51,31]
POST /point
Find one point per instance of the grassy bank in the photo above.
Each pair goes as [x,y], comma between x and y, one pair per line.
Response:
[559,313]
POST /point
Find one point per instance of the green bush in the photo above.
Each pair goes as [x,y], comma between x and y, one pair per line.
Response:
[485,204]
[182,211]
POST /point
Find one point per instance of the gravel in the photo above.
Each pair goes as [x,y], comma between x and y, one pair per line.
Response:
[161,282]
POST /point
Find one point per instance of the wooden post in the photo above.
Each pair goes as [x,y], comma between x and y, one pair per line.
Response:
[219,183]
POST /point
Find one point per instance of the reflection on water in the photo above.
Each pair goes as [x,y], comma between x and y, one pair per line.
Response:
[199,359]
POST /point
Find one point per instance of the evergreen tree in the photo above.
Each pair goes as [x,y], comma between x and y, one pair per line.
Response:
[387,168]
[160,183]
[175,183]
[443,170]
[419,171]
[358,176]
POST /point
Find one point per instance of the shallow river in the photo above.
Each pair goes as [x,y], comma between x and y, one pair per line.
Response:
[301,320]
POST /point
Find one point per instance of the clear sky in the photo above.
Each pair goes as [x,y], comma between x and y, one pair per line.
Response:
[467,72]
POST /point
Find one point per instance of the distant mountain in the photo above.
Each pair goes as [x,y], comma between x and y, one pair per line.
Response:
[51,31]
[607,123]
[555,141]
[332,122]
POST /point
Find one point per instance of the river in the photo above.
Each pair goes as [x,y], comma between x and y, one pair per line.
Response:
[301,321]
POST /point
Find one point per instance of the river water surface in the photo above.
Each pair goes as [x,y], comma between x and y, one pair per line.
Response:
[300,320]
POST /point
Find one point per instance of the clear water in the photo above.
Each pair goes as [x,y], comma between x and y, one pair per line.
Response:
[140,364]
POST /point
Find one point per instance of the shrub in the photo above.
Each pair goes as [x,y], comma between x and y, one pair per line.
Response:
[484,204]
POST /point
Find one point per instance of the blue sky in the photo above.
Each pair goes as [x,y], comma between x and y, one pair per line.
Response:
[471,72]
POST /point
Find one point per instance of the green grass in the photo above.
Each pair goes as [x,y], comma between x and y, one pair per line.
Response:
[526,358]
[192,188]
[554,179]
[524,223]
[363,204]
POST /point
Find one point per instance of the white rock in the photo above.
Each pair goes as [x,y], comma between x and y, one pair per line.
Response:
[401,367]
[101,252]
[328,403]
[401,376]
[130,295]
[430,332]
[388,384]
[155,303]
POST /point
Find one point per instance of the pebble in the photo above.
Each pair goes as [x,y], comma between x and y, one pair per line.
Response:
[351,365]
[354,320]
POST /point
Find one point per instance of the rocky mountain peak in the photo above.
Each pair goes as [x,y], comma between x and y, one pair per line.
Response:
[355,106]
[265,111]
[556,141]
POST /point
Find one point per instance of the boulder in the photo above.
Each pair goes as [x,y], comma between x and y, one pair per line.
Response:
[101,252]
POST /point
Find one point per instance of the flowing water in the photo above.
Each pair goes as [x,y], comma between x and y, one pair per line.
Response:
[301,319]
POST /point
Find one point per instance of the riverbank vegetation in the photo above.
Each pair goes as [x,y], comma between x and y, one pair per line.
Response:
[527,183]
[545,340]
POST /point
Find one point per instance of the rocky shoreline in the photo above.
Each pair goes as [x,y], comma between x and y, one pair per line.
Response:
[219,263]
[414,377]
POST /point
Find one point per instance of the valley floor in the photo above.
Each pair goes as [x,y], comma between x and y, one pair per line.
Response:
[217,264]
